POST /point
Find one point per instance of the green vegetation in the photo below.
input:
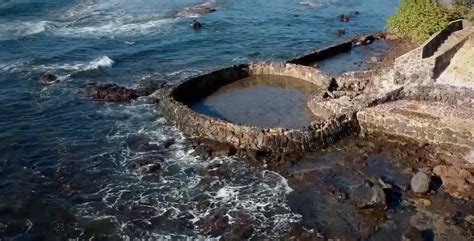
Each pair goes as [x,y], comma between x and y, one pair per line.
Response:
[461,9]
[419,19]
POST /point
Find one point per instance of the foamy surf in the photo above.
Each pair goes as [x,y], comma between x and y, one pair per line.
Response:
[197,11]
[30,28]
[100,62]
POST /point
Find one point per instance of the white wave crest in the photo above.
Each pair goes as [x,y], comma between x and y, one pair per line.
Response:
[68,69]
[319,3]
[100,62]
[197,10]
[31,28]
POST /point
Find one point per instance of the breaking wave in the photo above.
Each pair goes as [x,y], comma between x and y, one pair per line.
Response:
[100,62]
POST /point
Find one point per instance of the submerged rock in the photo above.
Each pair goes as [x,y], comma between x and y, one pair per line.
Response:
[149,166]
[196,25]
[48,78]
[340,32]
[420,182]
[344,18]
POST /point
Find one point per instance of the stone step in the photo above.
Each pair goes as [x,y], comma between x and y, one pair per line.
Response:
[423,121]
[452,40]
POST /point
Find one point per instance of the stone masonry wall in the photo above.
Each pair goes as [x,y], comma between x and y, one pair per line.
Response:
[323,53]
[420,66]
[313,136]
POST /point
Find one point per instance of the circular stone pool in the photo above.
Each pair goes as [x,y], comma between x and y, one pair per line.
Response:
[259,106]
[262,101]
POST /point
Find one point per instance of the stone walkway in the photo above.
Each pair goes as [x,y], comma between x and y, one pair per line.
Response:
[424,121]
[461,70]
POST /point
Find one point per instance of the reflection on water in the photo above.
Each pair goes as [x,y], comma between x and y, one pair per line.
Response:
[263,101]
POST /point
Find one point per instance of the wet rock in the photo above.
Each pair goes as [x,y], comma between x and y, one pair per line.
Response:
[196,25]
[344,18]
[369,195]
[167,143]
[242,228]
[116,93]
[332,86]
[340,32]
[413,234]
[207,148]
[112,93]
[140,143]
[48,78]
[150,165]
[420,182]
[363,40]
[214,225]
[455,180]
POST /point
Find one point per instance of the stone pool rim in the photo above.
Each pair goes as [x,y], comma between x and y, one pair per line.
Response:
[175,105]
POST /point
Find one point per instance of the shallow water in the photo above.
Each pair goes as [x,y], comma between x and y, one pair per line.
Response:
[65,165]
[262,101]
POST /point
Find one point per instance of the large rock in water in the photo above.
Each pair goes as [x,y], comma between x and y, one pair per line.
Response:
[116,93]
[48,78]
[113,93]
[420,182]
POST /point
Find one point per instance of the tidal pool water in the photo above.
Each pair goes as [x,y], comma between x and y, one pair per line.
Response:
[262,101]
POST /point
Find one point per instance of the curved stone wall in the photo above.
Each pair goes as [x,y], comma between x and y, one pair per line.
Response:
[175,104]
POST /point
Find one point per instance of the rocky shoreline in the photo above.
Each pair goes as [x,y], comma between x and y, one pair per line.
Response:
[408,191]
[357,174]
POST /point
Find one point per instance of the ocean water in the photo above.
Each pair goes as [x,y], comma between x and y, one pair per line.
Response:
[65,165]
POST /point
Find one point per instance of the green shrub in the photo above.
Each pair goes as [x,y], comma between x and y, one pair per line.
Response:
[461,9]
[417,19]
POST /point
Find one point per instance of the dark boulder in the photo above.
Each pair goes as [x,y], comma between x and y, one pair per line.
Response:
[48,78]
[112,93]
[344,18]
[332,86]
[149,165]
[140,143]
[196,25]
[369,195]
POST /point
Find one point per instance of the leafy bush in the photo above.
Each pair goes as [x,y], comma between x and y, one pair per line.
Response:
[461,9]
[417,19]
